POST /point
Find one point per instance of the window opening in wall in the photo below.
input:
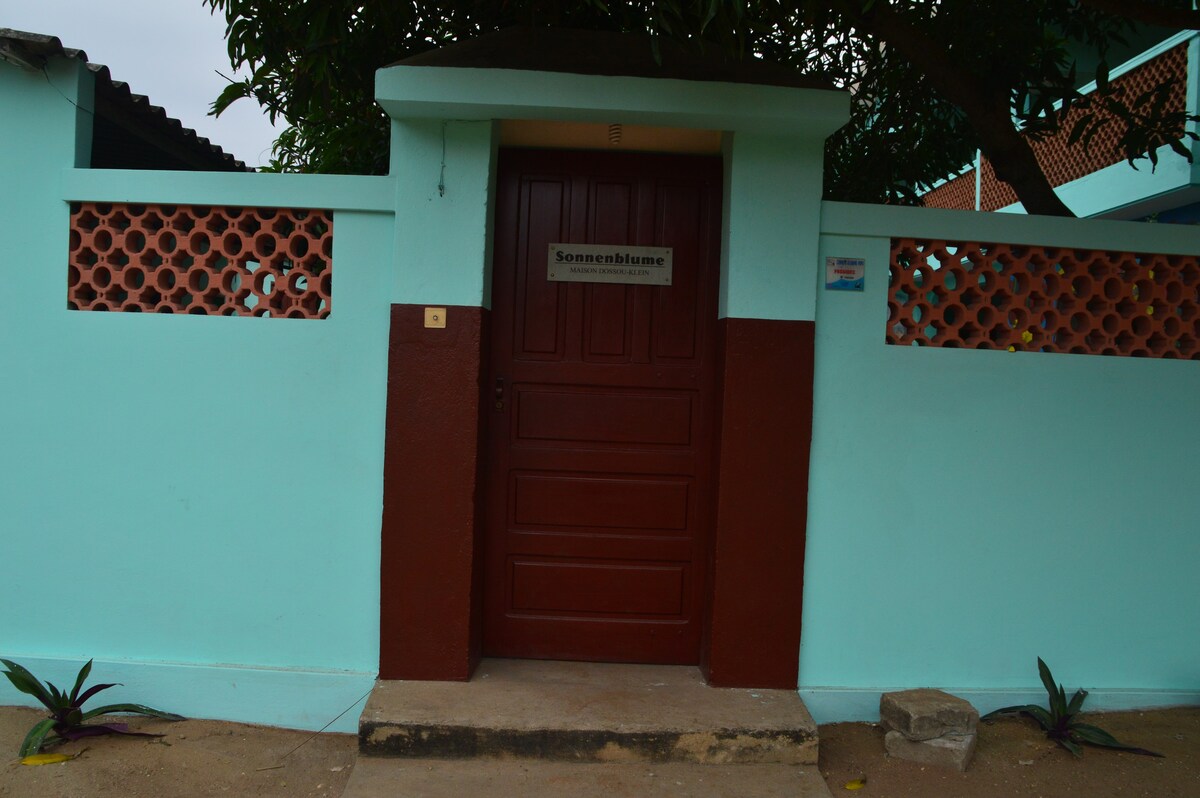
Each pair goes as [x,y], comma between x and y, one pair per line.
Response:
[220,261]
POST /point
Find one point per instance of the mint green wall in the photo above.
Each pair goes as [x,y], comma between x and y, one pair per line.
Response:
[1117,186]
[773,160]
[444,215]
[193,501]
[970,511]
[202,473]
[772,216]
[196,501]
[420,92]
[37,141]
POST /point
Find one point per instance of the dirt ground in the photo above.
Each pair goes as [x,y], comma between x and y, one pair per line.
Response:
[198,759]
[1014,758]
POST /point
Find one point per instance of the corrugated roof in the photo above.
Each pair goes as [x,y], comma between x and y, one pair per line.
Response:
[128,122]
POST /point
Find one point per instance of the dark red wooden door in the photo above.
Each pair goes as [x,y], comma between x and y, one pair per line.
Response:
[600,429]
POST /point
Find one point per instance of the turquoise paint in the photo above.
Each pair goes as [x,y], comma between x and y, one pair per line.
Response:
[219,479]
[37,140]
[773,171]
[195,498]
[970,511]
[443,216]
[408,92]
[295,698]
[1115,188]
[332,192]
[850,219]
[772,225]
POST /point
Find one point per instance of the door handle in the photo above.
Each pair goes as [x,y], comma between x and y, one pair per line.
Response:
[499,393]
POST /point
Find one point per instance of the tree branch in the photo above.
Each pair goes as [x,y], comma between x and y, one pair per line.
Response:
[1149,13]
[987,112]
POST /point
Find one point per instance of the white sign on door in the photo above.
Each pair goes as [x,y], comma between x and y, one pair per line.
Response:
[609,263]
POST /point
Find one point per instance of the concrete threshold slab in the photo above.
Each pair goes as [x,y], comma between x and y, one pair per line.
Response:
[436,778]
[587,712]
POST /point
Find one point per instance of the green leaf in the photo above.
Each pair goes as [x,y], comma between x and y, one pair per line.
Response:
[84,672]
[1032,710]
[1045,719]
[1094,735]
[56,694]
[1070,745]
[24,681]
[91,691]
[1013,710]
[1058,697]
[36,737]
[1180,148]
[1047,678]
[137,709]
[1076,702]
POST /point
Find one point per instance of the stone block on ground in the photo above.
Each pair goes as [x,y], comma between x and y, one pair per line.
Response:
[925,714]
[951,750]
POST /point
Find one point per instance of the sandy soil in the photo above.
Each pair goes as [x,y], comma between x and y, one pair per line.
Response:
[1014,758]
[198,758]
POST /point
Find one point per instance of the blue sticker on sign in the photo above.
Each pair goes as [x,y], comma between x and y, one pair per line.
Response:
[845,274]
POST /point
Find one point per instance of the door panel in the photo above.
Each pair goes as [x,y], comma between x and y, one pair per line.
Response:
[565,414]
[600,438]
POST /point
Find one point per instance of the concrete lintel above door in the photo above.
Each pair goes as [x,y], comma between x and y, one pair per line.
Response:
[406,91]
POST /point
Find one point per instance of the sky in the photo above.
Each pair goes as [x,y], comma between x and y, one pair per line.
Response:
[168,50]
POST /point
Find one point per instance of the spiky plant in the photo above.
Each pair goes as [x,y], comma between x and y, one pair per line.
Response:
[68,720]
[1061,720]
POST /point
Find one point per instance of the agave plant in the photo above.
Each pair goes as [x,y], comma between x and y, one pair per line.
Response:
[68,720]
[1061,720]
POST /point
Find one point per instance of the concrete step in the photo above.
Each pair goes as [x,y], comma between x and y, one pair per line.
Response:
[439,778]
[587,712]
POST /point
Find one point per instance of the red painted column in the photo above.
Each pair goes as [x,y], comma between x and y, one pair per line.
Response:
[430,611]
[765,417]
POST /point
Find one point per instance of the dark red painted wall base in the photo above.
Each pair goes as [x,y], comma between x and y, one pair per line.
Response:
[765,418]
[429,627]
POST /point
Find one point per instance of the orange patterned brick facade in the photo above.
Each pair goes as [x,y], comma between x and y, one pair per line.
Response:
[201,260]
[1061,163]
[1043,299]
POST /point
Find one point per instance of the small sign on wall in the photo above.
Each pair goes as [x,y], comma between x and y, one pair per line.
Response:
[609,263]
[845,274]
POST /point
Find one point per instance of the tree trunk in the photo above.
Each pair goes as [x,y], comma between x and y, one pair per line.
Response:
[986,110]
[1013,159]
